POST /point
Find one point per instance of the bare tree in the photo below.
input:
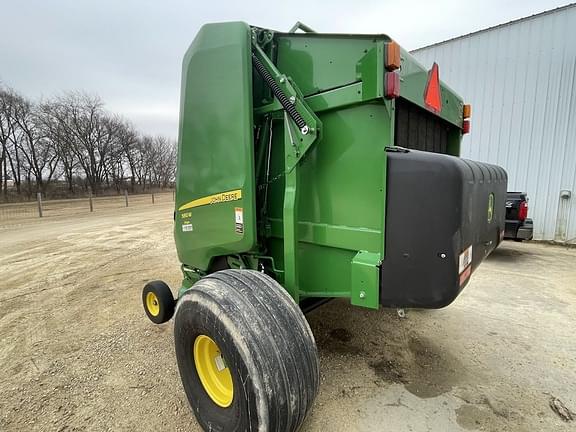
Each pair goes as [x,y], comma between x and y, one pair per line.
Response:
[129,142]
[145,160]
[118,130]
[86,129]
[74,139]
[163,165]
[62,141]
[28,137]
[5,131]
[10,154]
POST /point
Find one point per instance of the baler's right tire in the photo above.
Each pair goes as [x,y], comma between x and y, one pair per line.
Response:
[246,354]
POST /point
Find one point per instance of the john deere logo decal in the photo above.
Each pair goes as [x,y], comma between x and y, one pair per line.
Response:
[490,207]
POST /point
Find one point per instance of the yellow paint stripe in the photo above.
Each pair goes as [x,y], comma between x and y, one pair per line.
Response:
[233,195]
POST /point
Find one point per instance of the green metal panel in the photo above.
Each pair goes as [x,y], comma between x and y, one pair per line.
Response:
[215,148]
[318,62]
[340,182]
[319,196]
[341,200]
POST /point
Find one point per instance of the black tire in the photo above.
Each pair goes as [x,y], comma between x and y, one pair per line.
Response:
[218,263]
[163,300]
[265,342]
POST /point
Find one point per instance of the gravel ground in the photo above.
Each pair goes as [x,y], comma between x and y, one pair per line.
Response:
[78,353]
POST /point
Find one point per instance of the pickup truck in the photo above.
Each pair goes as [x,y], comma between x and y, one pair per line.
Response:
[518,226]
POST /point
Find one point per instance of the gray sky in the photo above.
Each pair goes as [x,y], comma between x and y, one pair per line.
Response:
[130,51]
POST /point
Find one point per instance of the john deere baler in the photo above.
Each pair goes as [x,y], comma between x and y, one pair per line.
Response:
[310,166]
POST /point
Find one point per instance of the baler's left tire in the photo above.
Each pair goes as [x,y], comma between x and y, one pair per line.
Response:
[158,301]
[246,354]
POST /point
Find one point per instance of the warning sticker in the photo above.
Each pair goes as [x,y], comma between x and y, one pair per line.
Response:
[187,227]
[465,260]
[465,275]
[239,215]
[239,220]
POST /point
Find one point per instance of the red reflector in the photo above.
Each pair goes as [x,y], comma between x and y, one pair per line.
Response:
[391,85]
[432,96]
[465,127]
[465,275]
[523,211]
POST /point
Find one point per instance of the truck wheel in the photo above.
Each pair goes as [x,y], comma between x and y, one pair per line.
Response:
[246,354]
[158,302]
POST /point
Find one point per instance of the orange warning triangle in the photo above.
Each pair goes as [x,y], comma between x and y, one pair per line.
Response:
[432,96]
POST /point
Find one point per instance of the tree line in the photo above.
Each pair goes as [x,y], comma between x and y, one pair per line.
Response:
[70,144]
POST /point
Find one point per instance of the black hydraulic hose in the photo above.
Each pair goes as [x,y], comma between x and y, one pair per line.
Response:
[289,107]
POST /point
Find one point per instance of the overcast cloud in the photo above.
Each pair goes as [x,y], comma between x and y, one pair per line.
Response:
[129,51]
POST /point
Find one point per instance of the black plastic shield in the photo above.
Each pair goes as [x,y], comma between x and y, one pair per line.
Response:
[444,215]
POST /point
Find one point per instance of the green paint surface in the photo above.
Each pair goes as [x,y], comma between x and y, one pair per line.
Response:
[313,204]
[215,148]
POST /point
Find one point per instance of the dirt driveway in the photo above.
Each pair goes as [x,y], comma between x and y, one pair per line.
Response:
[77,352]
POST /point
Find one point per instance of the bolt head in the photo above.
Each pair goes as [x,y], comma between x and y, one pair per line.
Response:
[362,294]
[292,99]
[305,130]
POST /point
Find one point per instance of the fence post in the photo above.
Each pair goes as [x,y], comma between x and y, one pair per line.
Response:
[152,197]
[39,199]
[126,196]
[90,201]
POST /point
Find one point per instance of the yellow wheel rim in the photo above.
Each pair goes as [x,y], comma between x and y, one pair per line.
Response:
[152,304]
[213,371]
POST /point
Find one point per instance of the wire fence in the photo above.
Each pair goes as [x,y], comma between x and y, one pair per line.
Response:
[15,213]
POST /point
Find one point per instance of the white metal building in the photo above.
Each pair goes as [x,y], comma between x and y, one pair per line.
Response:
[520,78]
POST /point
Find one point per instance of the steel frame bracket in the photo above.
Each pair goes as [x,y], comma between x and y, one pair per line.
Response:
[370,70]
[297,142]
[300,139]
[365,280]
[301,26]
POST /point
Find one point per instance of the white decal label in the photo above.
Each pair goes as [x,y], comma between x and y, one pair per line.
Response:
[239,220]
[239,215]
[465,260]
[187,227]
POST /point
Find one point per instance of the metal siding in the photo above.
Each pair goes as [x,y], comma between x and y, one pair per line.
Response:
[521,81]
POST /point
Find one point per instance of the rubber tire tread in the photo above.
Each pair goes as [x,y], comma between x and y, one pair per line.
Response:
[283,369]
[165,299]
